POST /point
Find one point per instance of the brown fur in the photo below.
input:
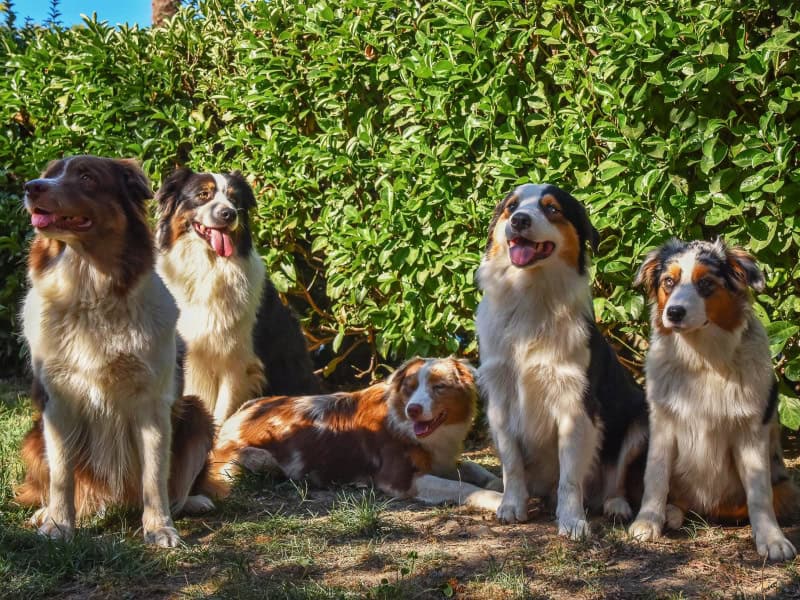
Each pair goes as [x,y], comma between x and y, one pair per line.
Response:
[350,437]
[192,435]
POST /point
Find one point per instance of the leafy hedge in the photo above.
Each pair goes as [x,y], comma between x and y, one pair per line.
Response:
[379,135]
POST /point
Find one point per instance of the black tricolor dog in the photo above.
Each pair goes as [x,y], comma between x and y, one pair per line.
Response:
[240,340]
[558,397]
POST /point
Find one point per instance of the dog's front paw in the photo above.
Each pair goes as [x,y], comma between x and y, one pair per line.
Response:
[574,529]
[512,510]
[55,531]
[644,530]
[775,546]
[166,537]
[617,508]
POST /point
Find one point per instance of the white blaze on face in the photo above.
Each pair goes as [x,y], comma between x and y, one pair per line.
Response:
[422,396]
[684,298]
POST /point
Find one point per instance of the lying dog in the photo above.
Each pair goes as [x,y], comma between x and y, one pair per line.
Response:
[405,435]
[714,434]
[240,340]
[100,325]
[566,417]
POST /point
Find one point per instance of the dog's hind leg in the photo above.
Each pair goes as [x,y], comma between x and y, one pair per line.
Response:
[192,438]
[615,503]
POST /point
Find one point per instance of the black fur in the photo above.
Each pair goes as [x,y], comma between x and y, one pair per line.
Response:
[612,395]
[772,403]
[279,343]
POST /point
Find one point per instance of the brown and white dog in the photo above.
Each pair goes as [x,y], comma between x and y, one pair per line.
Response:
[405,435]
[567,418]
[714,435]
[100,325]
[240,340]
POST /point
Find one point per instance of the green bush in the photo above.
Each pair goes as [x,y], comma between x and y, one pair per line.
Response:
[379,135]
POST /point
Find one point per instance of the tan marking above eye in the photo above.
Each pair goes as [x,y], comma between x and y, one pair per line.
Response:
[511,204]
[550,205]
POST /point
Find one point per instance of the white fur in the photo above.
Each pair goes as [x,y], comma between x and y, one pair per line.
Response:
[107,364]
[685,295]
[534,347]
[218,300]
[708,390]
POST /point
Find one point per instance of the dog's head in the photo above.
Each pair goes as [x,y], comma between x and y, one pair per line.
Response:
[694,284]
[426,394]
[207,208]
[96,205]
[540,225]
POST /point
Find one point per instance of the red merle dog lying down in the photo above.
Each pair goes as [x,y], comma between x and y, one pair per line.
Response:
[405,435]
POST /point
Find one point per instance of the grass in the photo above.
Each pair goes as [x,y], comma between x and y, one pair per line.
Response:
[279,539]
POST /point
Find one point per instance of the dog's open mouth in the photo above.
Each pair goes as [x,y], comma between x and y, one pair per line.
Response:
[524,252]
[425,428]
[218,239]
[44,219]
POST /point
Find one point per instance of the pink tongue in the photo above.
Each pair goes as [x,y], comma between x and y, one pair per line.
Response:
[42,220]
[221,242]
[521,255]
[421,427]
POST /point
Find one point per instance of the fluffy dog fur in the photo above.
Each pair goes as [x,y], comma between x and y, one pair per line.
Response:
[405,435]
[715,444]
[240,340]
[100,325]
[566,417]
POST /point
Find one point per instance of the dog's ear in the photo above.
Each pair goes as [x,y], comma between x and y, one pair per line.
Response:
[648,274]
[167,195]
[745,270]
[498,211]
[244,192]
[465,373]
[135,182]
[395,380]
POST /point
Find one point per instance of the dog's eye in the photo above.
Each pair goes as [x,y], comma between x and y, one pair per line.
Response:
[668,283]
[204,195]
[706,286]
[439,388]
[512,206]
[551,209]
[86,177]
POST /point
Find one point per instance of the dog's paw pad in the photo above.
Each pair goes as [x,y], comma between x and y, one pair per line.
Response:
[574,529]
[644,530]
[166,537]
[617,508]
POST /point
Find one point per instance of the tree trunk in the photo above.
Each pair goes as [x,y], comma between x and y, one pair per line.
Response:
[163,9]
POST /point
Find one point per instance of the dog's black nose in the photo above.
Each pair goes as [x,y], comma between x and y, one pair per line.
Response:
[520,221]
[676,313]
[227,214]
[36,187]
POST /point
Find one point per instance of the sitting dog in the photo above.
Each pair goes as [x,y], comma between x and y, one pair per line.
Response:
[714,434]
[240,340]
[566,416]
[100,325]
[405,435]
